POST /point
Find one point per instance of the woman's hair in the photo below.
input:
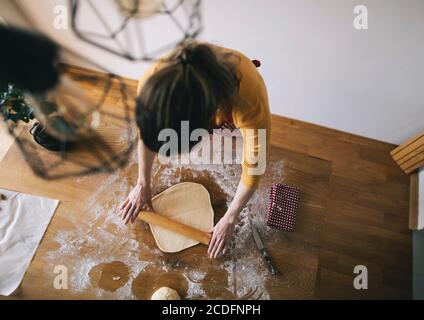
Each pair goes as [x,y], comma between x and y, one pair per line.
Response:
[191,86]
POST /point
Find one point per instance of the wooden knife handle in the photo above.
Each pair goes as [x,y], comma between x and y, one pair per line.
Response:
[189,232]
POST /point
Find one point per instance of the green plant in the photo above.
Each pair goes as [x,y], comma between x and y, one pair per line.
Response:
[13,105]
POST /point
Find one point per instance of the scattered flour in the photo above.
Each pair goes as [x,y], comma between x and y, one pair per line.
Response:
[102,234]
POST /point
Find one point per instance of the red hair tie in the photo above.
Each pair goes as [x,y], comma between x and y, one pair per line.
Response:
[257,63]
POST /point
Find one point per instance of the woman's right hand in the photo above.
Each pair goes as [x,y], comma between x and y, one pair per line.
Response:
[139,198]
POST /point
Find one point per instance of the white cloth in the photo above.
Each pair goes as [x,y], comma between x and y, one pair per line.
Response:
[23,221]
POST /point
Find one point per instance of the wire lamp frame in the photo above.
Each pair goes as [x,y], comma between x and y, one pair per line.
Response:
[98,148]
[93,151]
[126,27]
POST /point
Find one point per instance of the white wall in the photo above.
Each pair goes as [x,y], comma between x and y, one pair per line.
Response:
[8,12]
[318,68]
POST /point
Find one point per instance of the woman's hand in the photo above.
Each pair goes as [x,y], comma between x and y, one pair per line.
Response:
[139,198]
[224,229]
[221,237]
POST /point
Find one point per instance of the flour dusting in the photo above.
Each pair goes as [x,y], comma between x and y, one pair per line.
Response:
[101,237]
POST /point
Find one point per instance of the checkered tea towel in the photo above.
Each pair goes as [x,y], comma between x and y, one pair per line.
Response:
[282,207]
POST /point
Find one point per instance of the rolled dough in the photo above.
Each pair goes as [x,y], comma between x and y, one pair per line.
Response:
[188,203]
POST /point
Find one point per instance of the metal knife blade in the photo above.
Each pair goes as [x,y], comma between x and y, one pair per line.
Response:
[257,238]
[264,252]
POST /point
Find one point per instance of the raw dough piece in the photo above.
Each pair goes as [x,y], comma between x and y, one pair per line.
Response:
[165,293]
[188,203]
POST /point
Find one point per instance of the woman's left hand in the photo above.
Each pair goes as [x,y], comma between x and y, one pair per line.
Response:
[222,234]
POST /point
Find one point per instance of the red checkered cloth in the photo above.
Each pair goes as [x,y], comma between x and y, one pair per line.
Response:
[282,207]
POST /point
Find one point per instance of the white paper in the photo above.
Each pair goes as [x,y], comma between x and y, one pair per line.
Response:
[23,221]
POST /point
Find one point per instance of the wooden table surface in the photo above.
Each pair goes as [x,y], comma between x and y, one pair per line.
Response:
[107,260]
[353,211]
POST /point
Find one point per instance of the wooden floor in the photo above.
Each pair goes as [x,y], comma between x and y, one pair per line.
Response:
[367,212]
[354,211]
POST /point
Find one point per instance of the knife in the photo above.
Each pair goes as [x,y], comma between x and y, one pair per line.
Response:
[263,251]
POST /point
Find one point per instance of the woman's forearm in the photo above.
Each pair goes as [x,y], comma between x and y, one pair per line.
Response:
[241,198]
[224,229]
[145,162]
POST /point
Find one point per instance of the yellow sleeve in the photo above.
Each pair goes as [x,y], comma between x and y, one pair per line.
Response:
[255,151]
[252,115]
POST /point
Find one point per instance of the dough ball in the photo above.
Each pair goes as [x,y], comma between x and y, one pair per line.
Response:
[165,293]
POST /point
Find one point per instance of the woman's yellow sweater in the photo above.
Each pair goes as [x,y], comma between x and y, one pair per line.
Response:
[250,110]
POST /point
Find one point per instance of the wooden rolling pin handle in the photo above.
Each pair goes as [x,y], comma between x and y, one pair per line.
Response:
[190,232]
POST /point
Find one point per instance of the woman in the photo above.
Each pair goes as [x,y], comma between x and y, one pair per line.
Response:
[209,86]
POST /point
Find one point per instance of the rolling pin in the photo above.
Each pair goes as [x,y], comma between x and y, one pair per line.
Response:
[189,232]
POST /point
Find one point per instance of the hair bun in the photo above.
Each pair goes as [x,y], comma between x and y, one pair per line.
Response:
[186,56]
